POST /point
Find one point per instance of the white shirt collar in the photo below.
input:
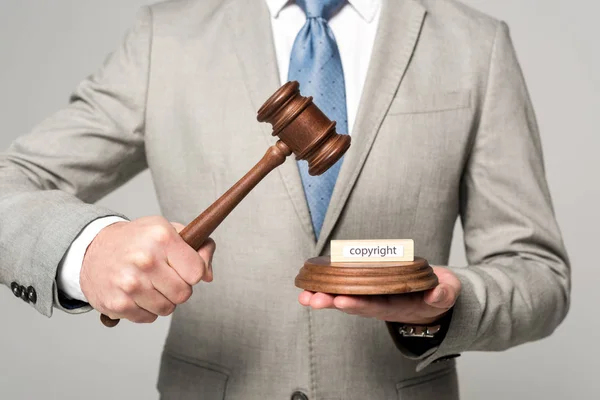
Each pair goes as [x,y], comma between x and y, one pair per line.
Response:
[367,9]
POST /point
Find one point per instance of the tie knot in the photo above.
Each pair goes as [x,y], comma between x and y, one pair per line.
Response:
[319,8]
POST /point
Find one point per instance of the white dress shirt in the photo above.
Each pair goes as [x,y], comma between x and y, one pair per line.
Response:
[354,27]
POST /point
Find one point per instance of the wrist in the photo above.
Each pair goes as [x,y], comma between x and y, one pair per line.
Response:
[69,269]
[424,327]
[409,338]
[427,320]
[93,248]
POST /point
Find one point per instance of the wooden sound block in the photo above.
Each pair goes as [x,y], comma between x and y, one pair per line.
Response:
[373,278]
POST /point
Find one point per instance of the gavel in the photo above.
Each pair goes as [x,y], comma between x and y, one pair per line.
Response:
[302,128]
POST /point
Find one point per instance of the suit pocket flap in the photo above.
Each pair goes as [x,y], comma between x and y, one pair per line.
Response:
[187,379]
[430,102]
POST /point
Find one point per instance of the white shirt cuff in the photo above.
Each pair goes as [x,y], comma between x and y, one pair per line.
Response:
[69,269]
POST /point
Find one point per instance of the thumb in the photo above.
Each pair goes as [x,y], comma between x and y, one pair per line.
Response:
[206,252]
[178,227]
[442,296]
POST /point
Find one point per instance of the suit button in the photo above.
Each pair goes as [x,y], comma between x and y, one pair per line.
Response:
[31,295]
[299,396]
[24,294]
[16,289]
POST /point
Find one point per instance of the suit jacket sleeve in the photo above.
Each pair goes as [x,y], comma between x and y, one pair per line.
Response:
[49,178]
[516,288]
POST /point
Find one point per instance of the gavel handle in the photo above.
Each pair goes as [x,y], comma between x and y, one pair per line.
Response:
[197,231]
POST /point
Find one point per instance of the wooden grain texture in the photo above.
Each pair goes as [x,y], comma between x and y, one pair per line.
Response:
[321,275]
[302,129]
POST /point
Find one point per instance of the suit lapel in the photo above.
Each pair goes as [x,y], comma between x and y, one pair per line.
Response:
[252,38]
[399,29]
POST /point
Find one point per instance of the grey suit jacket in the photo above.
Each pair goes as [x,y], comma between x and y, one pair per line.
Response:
[445,129]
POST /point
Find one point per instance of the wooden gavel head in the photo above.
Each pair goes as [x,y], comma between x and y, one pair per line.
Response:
[303,127]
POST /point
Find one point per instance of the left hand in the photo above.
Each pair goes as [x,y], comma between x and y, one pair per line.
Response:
[412,308]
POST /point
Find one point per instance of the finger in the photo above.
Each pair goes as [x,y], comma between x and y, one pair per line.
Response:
[445,275]
[166,280]
[366,306]
[154,302]
[349,303]
[145,295]
[140,316]
[124,307]
[442,296]
[207,252]
[178,227]
[304,298]
[188,264]
[354,304]
[322,300]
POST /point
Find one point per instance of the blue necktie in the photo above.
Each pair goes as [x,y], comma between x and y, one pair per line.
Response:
[316,64]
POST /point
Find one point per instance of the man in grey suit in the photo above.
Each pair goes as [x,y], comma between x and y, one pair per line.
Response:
[442,127]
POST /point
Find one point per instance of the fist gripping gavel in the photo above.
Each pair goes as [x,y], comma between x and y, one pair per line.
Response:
[302,129]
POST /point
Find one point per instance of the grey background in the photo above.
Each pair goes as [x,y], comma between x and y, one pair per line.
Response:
[46,47]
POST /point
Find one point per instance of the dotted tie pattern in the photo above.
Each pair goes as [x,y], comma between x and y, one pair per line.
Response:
[316,64]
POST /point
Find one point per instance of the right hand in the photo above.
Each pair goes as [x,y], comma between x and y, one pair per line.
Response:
[142,269]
